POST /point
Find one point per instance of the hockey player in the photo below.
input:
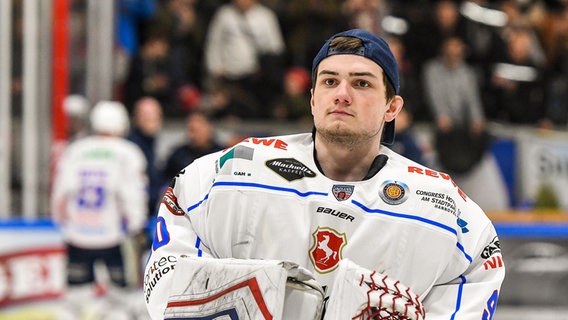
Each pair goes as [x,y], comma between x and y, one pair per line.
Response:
[382,236]
[97,207]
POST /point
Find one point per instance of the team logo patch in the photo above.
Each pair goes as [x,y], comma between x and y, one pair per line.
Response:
[327,248]
[491,248]
[462,224]
[170,201]
[290,169]
[394,192]
[342,192]
[238,152]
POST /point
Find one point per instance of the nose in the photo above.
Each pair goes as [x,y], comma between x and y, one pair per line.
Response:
[342,94]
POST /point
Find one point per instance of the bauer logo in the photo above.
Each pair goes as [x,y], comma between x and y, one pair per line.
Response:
[326,250]
[342,192]
[394,192]
[290,169]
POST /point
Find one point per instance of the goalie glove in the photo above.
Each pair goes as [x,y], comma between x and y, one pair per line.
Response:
[362,294]
[206,288]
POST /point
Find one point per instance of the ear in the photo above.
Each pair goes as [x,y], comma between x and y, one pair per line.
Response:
[312,100]
[394,107]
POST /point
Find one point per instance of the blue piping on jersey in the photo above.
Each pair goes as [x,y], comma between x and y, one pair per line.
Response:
[411,217]
[198,247]
[462,249]
[458,302]
[405,216]
[197,204]
[257,185]
[265,186]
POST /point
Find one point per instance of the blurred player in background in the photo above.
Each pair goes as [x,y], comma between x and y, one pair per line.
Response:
[99,199]
[76,108]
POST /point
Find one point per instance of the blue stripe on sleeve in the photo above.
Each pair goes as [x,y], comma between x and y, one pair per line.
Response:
[459,297]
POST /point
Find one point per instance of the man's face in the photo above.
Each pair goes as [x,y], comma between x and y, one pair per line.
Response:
[348,99]
[149,117]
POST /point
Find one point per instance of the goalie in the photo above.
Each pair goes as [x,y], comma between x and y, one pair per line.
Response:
[278,225]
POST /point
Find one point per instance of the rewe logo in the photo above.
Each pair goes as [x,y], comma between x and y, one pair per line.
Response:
[327,248]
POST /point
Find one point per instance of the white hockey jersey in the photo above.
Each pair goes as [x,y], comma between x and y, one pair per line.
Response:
[100,191]
[266,199]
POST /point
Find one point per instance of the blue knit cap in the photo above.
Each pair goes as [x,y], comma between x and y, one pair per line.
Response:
[374,48]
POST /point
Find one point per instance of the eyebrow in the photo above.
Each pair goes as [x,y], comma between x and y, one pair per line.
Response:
[351,74]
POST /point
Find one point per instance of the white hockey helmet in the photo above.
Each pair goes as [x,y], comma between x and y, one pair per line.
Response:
[76,105]
[110,117]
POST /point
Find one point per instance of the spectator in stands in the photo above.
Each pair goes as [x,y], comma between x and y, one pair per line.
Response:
[452,93]
[461,138]
[293,104]
[243,49]
[410,85]
[153,73]
[200,140]
[98,209]
[305,23]
[482,35]
[517,81]
[553,31]
[367,15]
[130,14]
[406,142]
[425,40]
[185,29]
[147,123]
[523,15]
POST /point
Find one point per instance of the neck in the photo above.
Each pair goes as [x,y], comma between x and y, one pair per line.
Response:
[343,163]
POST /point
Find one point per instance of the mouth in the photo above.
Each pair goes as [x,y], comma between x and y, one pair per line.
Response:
[340,113]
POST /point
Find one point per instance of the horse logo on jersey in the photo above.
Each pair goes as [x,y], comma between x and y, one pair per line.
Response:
[327,248]
[342,192]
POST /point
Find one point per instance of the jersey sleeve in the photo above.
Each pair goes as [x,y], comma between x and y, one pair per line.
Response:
[175,235]
[472,295]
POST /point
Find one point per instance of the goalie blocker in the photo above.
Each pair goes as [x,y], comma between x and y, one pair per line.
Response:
[208,288]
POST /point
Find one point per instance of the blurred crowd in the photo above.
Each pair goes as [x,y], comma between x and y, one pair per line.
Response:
[251,59]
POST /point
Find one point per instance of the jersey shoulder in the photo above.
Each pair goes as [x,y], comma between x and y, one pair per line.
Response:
[424,178]
[259,149]
[251,155]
